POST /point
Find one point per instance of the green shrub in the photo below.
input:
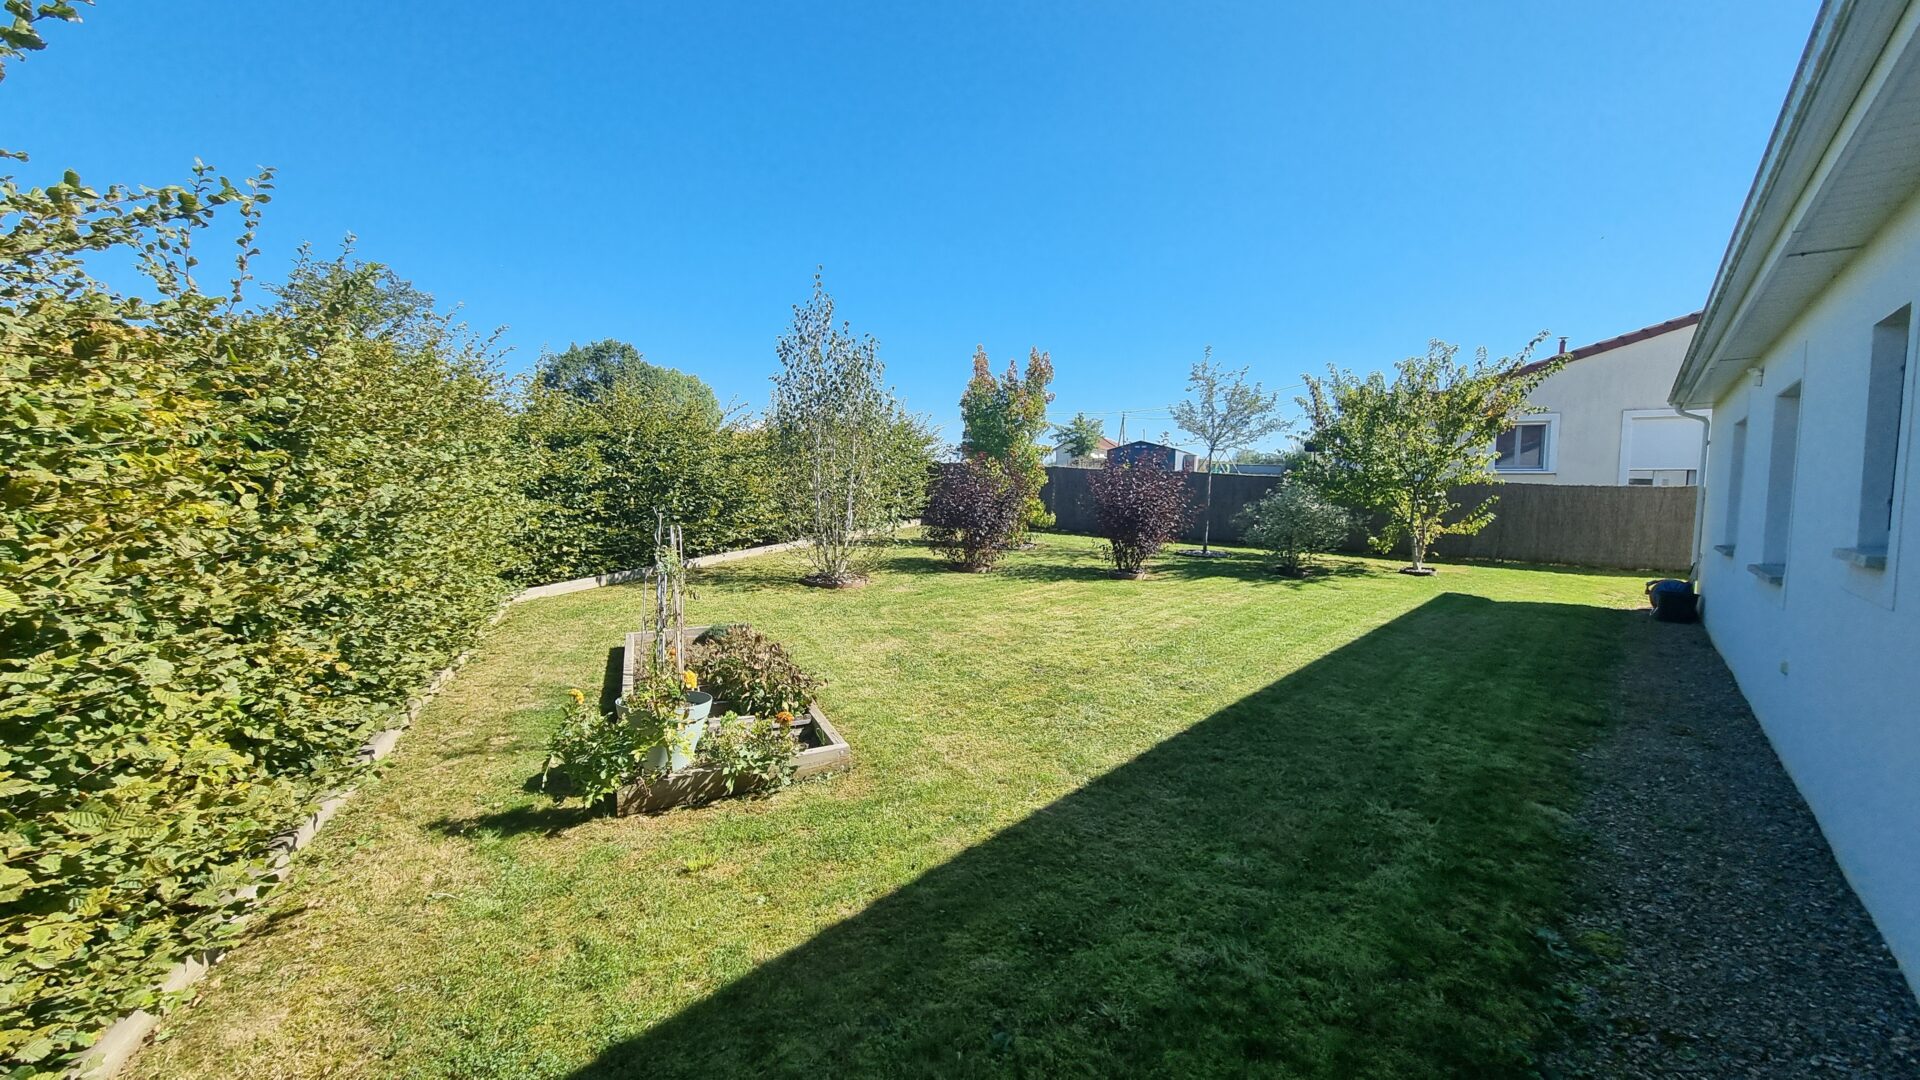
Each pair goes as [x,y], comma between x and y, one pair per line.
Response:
[232,543]
[1292,523]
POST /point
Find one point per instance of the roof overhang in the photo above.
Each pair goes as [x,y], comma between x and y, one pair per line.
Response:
[1844,156]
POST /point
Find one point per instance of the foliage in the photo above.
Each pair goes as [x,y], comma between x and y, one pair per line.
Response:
[600,468]
[1292,523]
[1004,419]
[590,372]
[1398,448]
[975,512]
[1137,509]
[235,541]
[1225,414]
[752,753]
[852,463]
[597,752]
[751,672]
[18,34]
[1266,457]
[1080,436]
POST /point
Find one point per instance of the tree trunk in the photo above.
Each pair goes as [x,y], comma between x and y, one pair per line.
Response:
[1206,522]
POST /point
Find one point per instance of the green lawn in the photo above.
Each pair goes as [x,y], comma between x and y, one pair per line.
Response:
[1210,822]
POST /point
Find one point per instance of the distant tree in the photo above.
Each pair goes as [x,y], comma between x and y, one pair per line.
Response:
[853,461]
[590,372]
[1225,414]
[1266,457]
[1004,418]
[1081,436]
[1398,448]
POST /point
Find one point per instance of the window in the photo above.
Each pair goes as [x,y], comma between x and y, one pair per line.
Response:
[1735,481]
[1886,385]
[1780,458]
[1525,447]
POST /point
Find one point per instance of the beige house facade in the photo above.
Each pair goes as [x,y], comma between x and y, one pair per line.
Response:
[1604,418]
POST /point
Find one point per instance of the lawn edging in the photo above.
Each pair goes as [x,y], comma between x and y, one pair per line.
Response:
[117,1044]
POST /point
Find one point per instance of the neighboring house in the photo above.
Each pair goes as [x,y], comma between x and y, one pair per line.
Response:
[1160,455]
[1811,517]
[1605,418]
[1060,456]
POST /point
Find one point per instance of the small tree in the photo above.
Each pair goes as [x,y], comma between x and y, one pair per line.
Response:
[1292,523]
[1225,414]
[1004,419]
[974,512]
[1081,436]
[854,462]
[1398,449]
[1137,509]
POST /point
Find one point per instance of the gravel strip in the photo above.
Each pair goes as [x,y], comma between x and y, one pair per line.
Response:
[1714,934]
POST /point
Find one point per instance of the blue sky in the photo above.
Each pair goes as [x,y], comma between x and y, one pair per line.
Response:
[1120,184]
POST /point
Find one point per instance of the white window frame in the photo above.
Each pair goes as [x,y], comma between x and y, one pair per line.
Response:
[1550,460]
[1628,416]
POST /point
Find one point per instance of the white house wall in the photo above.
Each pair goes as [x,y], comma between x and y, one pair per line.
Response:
[1830,657]
[1591,397]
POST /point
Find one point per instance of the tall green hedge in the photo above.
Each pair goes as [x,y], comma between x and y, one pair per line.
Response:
[232,543]
[601,467]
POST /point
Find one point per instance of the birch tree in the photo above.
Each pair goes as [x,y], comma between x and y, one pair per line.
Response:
[854,463]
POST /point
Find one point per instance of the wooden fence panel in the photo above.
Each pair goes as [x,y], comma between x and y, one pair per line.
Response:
[1635,528]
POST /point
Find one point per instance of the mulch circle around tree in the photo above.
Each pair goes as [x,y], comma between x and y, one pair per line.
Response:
[1196,553]
[1424,571]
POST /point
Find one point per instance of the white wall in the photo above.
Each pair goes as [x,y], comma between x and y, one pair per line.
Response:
[1590,400]
[1830,657]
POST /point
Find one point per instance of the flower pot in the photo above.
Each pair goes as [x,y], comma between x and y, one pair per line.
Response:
[679,754]
[698,705]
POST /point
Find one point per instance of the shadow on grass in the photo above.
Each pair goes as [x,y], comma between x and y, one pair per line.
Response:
[1339,875]
[517,821]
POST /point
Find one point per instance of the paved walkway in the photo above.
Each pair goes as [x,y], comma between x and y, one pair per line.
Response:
[1718,936]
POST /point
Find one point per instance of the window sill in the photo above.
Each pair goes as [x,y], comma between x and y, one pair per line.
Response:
[1523,472]
[1772,573]
[1724,549]
[1866,558]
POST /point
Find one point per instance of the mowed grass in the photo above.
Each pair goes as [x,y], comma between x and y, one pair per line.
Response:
[1212,822]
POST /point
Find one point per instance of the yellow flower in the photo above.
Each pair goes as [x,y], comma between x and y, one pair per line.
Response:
[690,680]
[578,697]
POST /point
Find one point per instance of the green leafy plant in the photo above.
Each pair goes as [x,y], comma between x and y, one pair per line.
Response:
[597,752]
[1292,523]
[751,753]
[751,672]
[237,541]
[1397,449]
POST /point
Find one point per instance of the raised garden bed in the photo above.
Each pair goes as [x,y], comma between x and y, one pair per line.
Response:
[822,750]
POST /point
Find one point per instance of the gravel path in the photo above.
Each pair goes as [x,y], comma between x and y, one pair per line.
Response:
[1716,936]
